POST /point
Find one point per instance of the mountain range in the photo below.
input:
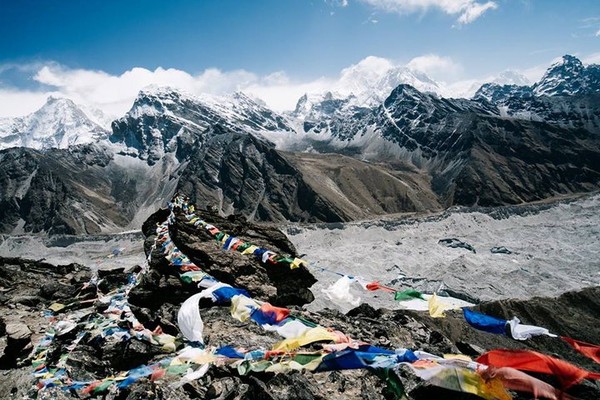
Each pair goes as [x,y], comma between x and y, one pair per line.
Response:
[396,147]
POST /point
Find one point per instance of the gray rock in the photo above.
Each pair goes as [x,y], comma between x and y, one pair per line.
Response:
[18,332]
[456,243]
[500,250]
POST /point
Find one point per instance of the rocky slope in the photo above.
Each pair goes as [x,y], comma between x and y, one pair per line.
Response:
[91,189]
[167,121]
[156,299]
[84,189]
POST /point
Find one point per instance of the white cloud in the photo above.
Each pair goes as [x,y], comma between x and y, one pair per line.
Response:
[593,58]
[18,103]
[440,68]
[598,33]
[114,94]
[475,11]
[466,10]
[284,96]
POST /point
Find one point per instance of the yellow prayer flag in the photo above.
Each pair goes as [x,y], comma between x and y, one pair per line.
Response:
[457,357]
[250,249]
[297,262]
[242,307]
[312,335]
[56,307]
[436,308]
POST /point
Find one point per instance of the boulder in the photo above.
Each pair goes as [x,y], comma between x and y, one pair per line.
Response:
[456,243]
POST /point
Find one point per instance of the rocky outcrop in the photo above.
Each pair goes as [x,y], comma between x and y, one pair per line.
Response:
[263,281]
[28,287]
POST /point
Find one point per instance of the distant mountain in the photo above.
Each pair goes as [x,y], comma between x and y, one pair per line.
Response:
[60,123]
[568,95]
[473,154]
[167,120]
[366,84]
[569,77]
[371,80]
[467,89]
[509,77]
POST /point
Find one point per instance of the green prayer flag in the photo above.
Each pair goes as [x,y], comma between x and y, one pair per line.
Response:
[393,383]
[408,294]
[103,386]
[306,358]
[178,369]
[243,246]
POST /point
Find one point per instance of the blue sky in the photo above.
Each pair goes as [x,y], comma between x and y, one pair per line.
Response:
[295,41]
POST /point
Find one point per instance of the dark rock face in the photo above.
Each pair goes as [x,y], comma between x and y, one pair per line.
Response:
[77,190]
[474,155]
[240,173]
[491,161]
[567,77]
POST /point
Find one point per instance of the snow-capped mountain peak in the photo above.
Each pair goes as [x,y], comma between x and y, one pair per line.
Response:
[373,79]
[565,77]
[59,123]
[163,118]
[366,84]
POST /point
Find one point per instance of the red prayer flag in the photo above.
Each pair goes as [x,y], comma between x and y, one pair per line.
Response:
[377,286]
[587,349]
[521,382]
[157,374]
[525,360]
[278,313]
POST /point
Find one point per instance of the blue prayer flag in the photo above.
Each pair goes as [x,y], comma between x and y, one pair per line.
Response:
[484,322]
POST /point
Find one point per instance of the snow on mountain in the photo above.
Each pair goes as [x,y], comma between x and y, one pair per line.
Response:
[567,77]
[365,84]
[164,120]
[60,123]
[468,89]
[565,96]
[371,81]
[98,116]
[509,77]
